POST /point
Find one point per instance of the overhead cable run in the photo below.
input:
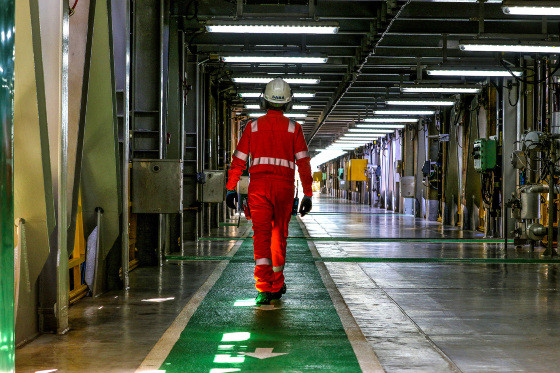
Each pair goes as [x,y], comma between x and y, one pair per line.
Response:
[350,78]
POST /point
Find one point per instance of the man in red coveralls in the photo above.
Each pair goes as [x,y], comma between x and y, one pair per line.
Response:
[275,144]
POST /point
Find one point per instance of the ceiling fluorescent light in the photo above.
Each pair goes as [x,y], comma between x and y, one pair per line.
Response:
[259,94]
[370,130]
[273,59]
[271,27]
[391,120]
[358,136]
[473,72]
[532,8]
[380,126]
[404,112]
[304,94]
[510,46]
[294,107]
[420,102]
[289,115]
[356,140]
[439,88]
[265,80]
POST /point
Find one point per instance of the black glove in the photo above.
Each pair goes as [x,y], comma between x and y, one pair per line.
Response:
[305,206]
[231,199]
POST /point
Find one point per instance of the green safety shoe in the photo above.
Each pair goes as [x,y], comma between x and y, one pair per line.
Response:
[264,297]
[278,294]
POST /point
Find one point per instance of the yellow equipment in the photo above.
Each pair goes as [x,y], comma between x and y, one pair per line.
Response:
[317,176]
[357,170]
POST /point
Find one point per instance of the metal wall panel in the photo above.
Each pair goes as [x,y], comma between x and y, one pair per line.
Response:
[100,168]
[32,177]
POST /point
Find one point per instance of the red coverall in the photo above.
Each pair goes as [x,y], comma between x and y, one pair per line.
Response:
[274,142]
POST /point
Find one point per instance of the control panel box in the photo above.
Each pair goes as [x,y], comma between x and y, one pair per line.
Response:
[357,170]
[214,186]
[157,186]
[485,154]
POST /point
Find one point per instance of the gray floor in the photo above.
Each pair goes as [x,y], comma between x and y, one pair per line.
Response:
[419,317]
[441,317]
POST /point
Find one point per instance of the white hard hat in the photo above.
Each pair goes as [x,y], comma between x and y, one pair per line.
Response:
[278,92]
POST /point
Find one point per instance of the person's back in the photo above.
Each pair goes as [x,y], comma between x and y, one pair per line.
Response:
[275,145]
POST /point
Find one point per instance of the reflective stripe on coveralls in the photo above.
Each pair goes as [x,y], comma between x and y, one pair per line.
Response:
[274,162]
[301,155]
[292,126]
[241,155]
[263,262]
[278,269]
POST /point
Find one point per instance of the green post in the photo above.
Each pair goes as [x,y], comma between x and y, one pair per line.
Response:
[7,35]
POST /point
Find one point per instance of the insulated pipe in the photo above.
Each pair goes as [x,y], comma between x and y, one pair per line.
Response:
[198,152]
[161,229]
[182,125]
[62,276]
[125,254]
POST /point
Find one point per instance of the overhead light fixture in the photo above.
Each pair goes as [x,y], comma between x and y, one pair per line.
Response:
[419,102]
[294,107]
[271,27]
[510,46]
[370,130]
[264,80]
[532,8]
[295,94]
[404,112]
[391,120]
[473,72]
[304,94]
[439,88]
[274,59]
[380,126]
[357,136]
[289,115]
[355,140]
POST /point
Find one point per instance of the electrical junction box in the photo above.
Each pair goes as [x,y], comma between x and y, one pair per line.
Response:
[317,176]
[357,170]
[399,166]
[408,186]
[429,168]
[157,186]
[485,154]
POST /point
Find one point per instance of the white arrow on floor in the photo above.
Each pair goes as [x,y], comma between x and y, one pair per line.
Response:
[264,353]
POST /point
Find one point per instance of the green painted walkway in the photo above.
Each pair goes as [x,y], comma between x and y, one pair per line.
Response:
[304,325]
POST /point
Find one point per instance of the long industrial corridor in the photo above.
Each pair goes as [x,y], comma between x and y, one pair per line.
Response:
[366,288]
[265,186]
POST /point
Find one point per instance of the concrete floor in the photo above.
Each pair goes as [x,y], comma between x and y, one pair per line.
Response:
[417,316]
